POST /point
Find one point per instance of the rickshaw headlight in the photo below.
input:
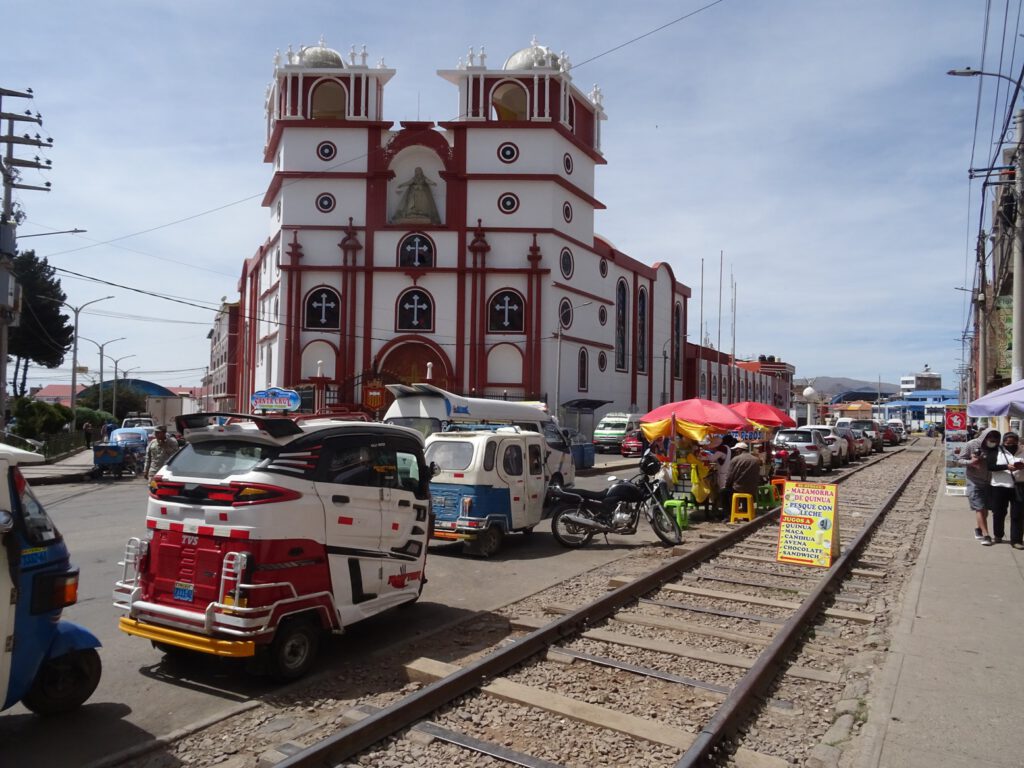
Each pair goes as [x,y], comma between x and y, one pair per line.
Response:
[53,591]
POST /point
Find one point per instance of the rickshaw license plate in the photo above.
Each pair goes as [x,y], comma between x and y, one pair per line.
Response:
[183,591]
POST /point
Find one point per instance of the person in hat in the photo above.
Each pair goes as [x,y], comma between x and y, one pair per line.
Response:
[743,476]
[159,451]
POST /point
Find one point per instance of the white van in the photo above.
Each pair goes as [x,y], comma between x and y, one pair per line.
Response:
[429,409]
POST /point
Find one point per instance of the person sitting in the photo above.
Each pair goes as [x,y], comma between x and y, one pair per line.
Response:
[744,476]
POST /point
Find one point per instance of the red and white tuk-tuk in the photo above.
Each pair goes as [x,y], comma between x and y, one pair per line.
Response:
[265,533]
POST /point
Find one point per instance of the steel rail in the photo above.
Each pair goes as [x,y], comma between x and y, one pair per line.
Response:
[359,736]
[751,688]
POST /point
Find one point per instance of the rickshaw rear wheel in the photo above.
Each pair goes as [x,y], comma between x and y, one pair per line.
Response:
[294,649]
[64,683]
[486,543]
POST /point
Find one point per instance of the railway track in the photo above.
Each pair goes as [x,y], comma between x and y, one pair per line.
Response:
[718,656]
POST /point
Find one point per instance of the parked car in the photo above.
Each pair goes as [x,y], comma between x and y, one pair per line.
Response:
[890,436]
[872,429]
[840,450]
[811,445]
[853,449]
[634,444]
[864,445]
[899,427]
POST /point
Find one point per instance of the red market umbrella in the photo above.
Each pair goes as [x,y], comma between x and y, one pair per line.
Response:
[764,414]
[696,411]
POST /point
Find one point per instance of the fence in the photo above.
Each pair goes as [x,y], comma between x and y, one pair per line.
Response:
[54,446]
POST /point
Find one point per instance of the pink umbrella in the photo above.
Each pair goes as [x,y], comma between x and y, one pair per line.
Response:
[764,414]
[697,411]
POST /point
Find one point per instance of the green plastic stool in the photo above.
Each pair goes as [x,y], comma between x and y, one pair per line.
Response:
[765,497]
[681,510]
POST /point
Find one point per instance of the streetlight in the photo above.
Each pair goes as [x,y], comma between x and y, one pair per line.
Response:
[113,407]
[809,394]
[74,360]
[558,362]
[99,406]
[1017,302]
[664,369]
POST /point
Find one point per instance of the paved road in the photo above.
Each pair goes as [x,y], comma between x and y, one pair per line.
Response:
[140,696]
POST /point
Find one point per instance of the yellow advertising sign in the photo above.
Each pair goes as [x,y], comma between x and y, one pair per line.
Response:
[808,528]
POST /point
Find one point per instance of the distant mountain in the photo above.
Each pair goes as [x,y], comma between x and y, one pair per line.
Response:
[832,385]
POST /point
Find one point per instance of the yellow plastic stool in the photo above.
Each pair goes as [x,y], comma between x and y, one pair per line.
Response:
[735,514]
[765,497]
[680,509]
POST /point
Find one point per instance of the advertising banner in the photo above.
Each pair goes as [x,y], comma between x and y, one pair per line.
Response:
[808,528]
[956,437]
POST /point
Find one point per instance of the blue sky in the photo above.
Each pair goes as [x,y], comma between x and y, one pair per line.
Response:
[819,145]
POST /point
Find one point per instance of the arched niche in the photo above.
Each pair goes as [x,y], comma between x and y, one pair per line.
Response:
[505,364]
[316,351]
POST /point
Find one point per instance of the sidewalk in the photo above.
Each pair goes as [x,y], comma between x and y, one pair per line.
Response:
[73,469]
[950,692]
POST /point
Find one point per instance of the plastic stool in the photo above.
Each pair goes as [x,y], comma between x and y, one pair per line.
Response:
[679,508]
[779,487]
[735,514]
[765,496]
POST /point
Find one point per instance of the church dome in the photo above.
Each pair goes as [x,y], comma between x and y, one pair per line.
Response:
[321,56]
[536,56]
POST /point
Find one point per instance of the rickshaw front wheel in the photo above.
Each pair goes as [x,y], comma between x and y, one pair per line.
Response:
[64,683]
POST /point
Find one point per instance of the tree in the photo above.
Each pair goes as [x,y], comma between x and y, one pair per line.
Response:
[128,399]
[44,335]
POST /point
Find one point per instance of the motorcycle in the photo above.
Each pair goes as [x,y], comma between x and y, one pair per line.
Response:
[579,514]
[48,664]
[788,462]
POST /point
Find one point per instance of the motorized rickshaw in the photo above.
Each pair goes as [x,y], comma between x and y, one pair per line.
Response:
[123,453]
[48,664]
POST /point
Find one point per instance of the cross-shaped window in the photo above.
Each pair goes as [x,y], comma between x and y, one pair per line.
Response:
[506,311]
[416,250]
[323,309]
[415,311]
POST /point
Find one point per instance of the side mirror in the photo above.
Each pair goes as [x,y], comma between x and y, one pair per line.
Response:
[6,521]
[435,470]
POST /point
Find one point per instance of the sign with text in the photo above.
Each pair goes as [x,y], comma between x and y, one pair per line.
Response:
[955,441]
[808,528]
[275,399]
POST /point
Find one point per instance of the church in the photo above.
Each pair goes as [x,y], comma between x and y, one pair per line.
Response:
[461,253]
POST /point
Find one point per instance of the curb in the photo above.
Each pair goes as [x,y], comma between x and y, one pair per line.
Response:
[74,477]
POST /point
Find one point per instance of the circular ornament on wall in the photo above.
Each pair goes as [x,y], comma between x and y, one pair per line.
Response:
[602,315]
[567,163]
[565,262]
[565,313]
[603,267]
[326,150]
[508,152]
[325,202]
[508,203]
[567,211]
[602,361]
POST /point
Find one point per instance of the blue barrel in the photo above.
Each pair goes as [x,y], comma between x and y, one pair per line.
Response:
[583,455]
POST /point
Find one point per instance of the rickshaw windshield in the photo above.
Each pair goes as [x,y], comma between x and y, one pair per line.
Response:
[450,454]
[36,524]
[219,458]
[425,426]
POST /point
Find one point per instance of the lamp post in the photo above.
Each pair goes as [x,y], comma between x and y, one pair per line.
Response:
[1017,302]
[74,359]
[664,370]
[113,407]
[99,405]
[809,394]
[558,361]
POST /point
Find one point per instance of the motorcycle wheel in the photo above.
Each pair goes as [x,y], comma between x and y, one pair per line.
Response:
[566,533]
[665,526]
[64,683]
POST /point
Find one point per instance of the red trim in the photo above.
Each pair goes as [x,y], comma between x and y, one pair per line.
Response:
[545,177]
[578,292]
[319,125]
[281,176]
[544,125]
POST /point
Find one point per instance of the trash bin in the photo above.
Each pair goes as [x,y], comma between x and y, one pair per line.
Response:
[583,455]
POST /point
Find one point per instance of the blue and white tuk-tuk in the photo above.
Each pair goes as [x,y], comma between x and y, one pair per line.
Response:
[487,484]
[49,665]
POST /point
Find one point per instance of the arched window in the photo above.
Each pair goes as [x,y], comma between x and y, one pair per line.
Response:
[641,331]
[414,311]
[621,309]
[506,312]
[703,385]
[322,309]
[510,102]
[714,387]
[677,341]
[583,376]
[416,250]
[328,101]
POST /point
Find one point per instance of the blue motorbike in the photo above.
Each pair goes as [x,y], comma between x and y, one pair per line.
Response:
[48,664]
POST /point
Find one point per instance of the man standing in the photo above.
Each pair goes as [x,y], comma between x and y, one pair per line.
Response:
[979,456]
[743,475]
[159,450]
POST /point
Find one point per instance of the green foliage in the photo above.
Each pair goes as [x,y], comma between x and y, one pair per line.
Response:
[44,335]
[36,419]
[128,399]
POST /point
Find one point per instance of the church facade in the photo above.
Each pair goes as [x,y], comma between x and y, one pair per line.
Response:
[461,253]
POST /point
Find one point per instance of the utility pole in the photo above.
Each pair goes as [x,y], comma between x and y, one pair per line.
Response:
[1017,350]
[9,290]
[981,319]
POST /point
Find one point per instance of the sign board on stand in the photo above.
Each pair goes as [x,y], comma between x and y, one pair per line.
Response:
[808,527]
[955,440]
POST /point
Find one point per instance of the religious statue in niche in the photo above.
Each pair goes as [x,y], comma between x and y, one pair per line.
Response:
[417,203]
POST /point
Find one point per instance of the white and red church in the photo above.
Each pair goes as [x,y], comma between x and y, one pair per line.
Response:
[462,252]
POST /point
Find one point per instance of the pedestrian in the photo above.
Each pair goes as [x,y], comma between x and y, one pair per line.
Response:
[159,450]
[979,456]
[743,476]
[1007,488]
[87,431]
